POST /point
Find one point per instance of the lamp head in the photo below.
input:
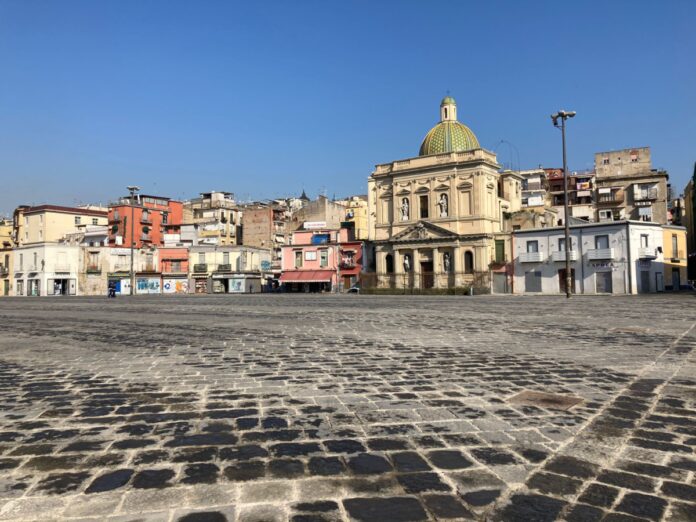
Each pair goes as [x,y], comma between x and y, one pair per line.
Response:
[132,188]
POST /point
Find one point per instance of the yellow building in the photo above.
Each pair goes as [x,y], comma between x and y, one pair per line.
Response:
[51,223]
[5,257]
[356,212]
[439,220]
[674,255]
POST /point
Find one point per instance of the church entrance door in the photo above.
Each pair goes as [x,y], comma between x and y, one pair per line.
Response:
[427,277]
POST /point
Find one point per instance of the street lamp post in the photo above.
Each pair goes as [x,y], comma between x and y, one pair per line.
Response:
[563,116]
[133,190]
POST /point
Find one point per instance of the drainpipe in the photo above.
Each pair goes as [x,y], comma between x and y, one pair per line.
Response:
[512,262]
[581,258]
[628,255]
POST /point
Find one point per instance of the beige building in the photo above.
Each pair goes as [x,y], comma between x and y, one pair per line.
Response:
[439,219]
[51,223]
[213,218]
[627,187]
[5,257]
[321,210]
[675,257]
[356,212]
[231,269]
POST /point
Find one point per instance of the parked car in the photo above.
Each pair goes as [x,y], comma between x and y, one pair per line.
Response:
[355,289]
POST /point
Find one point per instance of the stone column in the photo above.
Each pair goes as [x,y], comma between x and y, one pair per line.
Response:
[437,267]
[416,268]
[458,264]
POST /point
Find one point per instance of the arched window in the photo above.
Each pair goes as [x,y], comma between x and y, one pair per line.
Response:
[389,262]
[468,262]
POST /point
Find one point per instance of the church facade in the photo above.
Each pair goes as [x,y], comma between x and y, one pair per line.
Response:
[441,219]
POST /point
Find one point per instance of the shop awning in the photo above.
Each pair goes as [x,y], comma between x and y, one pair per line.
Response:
[307,276]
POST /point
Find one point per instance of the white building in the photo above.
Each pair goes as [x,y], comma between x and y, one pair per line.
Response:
[46,269]
[618,257]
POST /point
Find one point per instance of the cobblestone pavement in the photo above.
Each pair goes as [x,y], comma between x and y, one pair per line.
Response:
[326,408]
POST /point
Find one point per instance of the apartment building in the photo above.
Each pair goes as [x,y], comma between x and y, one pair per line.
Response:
[628,188]
[152,220]
[214,218]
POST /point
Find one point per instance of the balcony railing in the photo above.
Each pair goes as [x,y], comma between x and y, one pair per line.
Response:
[149,268]
[610,199]
[147,220]
[146,237]
[93,269]
[647,253]
[121,267]
[599,254]
[61,268]
[531,257]
[225,267]
[560,255]
[200,268]
[4,271]
[677,256]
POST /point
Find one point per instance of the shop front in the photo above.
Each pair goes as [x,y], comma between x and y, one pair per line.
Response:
[200,284]
[175,285]
[148,285]
[61,286]
[308,280]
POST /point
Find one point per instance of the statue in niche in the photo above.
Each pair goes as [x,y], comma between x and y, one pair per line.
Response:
[407,263]
[443,205]
[446,262]
[404,209]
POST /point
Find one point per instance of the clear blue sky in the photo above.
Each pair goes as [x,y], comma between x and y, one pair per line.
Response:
[267,98]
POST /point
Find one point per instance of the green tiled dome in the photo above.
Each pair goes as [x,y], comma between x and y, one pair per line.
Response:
[448,136]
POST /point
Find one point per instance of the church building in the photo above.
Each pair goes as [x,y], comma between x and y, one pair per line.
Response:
[441,219]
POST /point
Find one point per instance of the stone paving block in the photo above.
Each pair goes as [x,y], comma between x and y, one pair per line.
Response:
[278,491]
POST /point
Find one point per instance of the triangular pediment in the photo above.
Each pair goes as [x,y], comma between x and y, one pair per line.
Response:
[424,230]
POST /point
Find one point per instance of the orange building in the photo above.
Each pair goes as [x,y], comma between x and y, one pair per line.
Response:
[155,220]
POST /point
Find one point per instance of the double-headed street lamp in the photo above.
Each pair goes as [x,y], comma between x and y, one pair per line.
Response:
[133,190]
[563,116]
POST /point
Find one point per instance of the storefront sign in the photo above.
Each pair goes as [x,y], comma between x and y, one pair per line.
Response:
[313,225]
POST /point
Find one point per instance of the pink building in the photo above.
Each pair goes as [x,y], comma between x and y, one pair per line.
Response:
[317,260]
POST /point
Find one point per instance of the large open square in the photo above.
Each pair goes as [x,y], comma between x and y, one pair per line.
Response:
[325,408]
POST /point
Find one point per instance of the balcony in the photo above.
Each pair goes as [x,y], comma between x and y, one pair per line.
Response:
[560,255]
[531,257]
[149,268]
[61,268]
[146,237]
[646,253]
[645,195]
[347,264]
[4,271]
[200,268]
[226,267]
[600,254]
[677,256]
[615,198]
[146,220]
[120,267]
[93,269]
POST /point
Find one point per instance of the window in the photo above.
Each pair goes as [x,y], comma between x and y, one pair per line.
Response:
[176,266]
[644,240]
[201,258]
[605,161]
[675,250]
[606,215]
[78,220]
[499,250]
[116,215]
[95,221]
[164,218]
[225,258]
[36,258]
[561,244]
[121,262]
[468,262]
[298,259]
[21,261]
[323,258]
[389,262]
[423,202]
[532,246]
[310,256]
[601,242]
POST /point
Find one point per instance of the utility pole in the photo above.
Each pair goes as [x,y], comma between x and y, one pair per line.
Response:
[563,116]
[133,190]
